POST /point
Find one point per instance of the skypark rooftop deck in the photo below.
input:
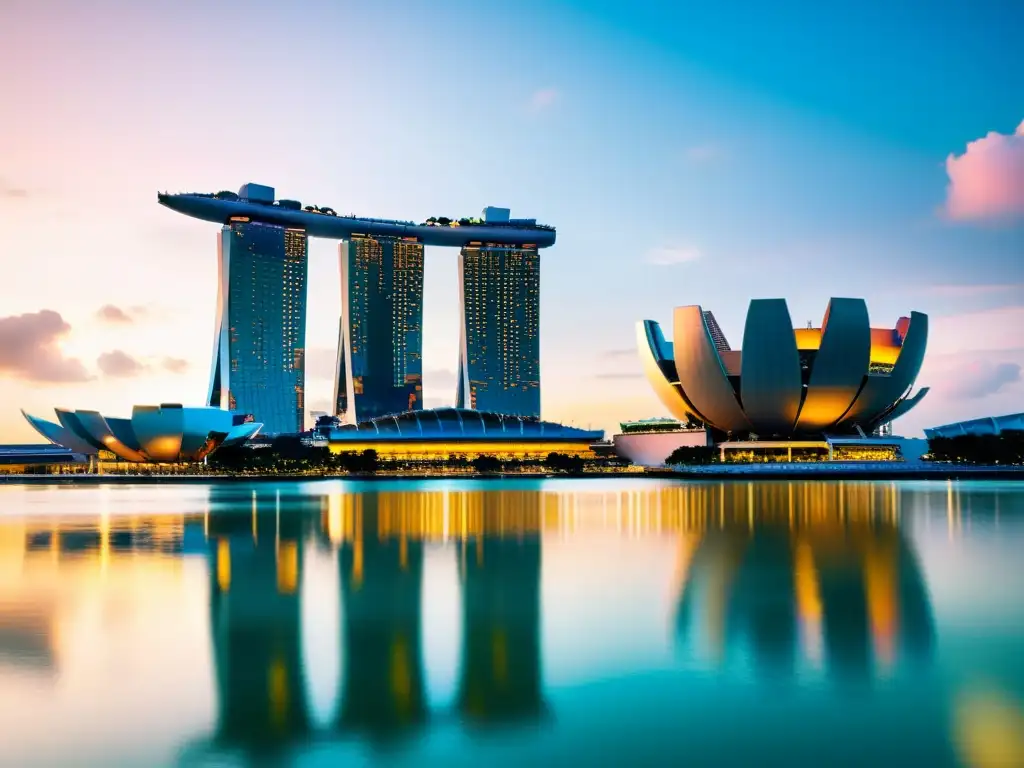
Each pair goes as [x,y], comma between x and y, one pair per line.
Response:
[326,223]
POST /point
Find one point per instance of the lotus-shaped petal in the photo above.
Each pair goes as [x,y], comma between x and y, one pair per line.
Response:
[166,433]
[840,378]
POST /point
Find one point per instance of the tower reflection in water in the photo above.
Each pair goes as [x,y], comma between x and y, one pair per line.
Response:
[809,576]
[382,688]
[381,538]
[256,617]
[779,577]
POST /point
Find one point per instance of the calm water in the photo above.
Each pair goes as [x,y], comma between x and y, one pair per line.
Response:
[598,622]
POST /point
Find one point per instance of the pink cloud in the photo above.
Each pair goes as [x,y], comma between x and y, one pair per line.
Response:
[30,349]
[980,378]
[544,98]
[987,180]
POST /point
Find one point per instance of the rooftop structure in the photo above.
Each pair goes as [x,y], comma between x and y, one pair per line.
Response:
[650,426]
[990,425]
[318,221]
[843,378]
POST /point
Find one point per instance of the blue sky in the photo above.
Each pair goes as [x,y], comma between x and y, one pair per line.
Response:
[687,153]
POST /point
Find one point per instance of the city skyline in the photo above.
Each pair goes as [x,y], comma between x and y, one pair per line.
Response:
[679,170]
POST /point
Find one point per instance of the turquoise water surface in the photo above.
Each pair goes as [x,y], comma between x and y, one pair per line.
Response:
[533,622]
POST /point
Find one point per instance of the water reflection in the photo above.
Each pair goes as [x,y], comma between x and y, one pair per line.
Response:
[501,678]
[799,577]
[813,585]
[382,687]
[256,619]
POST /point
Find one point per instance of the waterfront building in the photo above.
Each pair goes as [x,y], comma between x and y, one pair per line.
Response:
[499,334]
[989,425]
[649,442]
[842,378]
[260,344]
[37,459]
[380,340]
[443,434]
[163,434]
[827,392]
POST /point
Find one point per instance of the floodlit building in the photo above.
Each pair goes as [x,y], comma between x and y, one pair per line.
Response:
[164,434]
[380,341]
[259,357]
[790,393]
[649,442]
[499,337]
[446,433]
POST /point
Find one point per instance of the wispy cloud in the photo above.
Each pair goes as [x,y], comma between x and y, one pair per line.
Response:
[981,378]
[670,256]
[108,313]
[30,349]
[175,365]
[544,98]
[12,192]
[700,154]
[119,365]
[987,180]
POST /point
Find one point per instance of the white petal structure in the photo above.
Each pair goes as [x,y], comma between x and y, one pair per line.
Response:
[785,382]
[166,433]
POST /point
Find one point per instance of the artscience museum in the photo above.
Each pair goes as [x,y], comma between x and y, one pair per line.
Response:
[163,434]
[819,391]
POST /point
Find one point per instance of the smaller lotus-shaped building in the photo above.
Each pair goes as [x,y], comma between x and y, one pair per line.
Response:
[842,378]
[165,434]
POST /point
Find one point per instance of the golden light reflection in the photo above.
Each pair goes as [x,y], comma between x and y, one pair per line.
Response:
[400,675]
[335,519]
[277,693]
[989,729]
[439,515]
[287,567]
[223,565]
[881,583]
[808,602]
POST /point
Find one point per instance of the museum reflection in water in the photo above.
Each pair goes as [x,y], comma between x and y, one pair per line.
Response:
[797,575]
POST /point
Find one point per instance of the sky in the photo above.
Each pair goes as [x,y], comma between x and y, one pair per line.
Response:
[687,154]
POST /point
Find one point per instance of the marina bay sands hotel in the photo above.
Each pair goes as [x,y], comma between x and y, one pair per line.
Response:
[259,350]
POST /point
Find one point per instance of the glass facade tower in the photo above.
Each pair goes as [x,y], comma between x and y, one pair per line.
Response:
[499,344]
[380,341]
[259,349]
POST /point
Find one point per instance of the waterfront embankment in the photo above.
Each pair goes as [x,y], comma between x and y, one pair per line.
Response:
[768,471]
